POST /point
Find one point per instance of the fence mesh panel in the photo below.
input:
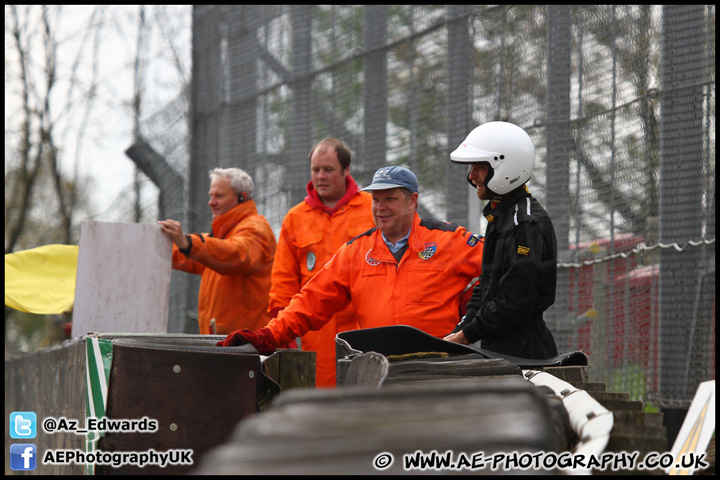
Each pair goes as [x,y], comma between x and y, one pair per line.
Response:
[619,100]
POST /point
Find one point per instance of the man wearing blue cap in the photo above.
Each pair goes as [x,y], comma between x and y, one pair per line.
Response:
[404,271]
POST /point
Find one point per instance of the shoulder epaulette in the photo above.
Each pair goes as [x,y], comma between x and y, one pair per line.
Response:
[432,224]
[364,234]
[523,210]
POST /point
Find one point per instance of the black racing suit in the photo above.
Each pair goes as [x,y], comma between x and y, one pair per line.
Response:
[519,274]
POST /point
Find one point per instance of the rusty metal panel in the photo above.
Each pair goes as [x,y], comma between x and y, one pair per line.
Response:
[197,397]
[209,394]
[50,382]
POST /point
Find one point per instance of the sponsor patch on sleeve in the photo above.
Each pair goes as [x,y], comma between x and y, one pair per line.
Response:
[473,240]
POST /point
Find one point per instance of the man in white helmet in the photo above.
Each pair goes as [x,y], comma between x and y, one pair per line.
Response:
[519,268]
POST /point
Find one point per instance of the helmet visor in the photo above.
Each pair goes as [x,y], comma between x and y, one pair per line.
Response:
[467,154]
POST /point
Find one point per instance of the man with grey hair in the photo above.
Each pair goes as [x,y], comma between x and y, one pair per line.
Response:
[404,271]
[235,259]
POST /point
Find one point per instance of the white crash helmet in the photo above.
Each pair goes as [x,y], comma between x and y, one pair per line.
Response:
[506,147]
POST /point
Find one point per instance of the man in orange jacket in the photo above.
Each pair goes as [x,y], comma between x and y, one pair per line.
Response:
[333,213]
[235,259]
[406,271]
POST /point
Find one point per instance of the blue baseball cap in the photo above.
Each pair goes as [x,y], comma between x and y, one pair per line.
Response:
[393,177]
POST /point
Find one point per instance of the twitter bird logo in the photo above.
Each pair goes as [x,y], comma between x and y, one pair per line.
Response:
[23,425]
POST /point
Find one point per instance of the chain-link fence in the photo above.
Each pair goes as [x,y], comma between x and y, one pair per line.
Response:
[162,154]
[619,100]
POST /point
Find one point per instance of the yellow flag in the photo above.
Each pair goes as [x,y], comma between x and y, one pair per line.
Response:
[41,280]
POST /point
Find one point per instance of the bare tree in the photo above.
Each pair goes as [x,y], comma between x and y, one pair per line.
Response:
[22,180]
[137,101]
[36,157]
[55,92]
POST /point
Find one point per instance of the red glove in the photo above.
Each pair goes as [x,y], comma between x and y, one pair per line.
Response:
[262,340]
